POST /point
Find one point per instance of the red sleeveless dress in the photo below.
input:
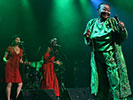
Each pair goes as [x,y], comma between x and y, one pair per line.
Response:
[49,77]
[12,73]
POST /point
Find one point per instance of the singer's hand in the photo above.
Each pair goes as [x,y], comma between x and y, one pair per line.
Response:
[122,24]
[27,63]
[58,62]
[88,34]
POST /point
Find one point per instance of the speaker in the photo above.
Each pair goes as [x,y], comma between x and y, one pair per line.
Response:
[30,94]
[79,93]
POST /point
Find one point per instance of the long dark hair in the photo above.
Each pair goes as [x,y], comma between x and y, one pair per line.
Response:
[53,48]
[13,42]
[52,41]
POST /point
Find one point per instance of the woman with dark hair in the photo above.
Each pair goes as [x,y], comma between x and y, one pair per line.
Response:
[108,67]
[12,58]
[49,80]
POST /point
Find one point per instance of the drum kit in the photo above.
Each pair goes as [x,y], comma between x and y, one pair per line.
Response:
[33,75]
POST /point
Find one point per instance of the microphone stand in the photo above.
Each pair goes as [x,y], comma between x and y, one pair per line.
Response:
[61,78]
[37,73]
[24,59]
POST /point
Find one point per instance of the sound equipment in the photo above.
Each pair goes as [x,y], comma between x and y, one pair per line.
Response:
[79,93]
[30,94]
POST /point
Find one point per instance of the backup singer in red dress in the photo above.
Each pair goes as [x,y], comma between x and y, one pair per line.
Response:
[12,57]
[49,77]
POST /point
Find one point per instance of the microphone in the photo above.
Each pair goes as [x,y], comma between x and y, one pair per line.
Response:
[21,42]
[57,45]
[118,21]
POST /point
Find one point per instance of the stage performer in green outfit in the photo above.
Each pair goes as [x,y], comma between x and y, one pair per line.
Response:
[108,68]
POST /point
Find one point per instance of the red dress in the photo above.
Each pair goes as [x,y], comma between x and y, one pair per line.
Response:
[49,77]
[12,73]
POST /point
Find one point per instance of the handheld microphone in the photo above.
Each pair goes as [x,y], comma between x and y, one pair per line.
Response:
[21,42]
[57,45]
[118,21]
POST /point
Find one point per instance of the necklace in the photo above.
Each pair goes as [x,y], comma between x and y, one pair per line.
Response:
[16,49]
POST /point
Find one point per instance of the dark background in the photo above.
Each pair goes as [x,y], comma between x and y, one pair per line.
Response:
[38,21]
